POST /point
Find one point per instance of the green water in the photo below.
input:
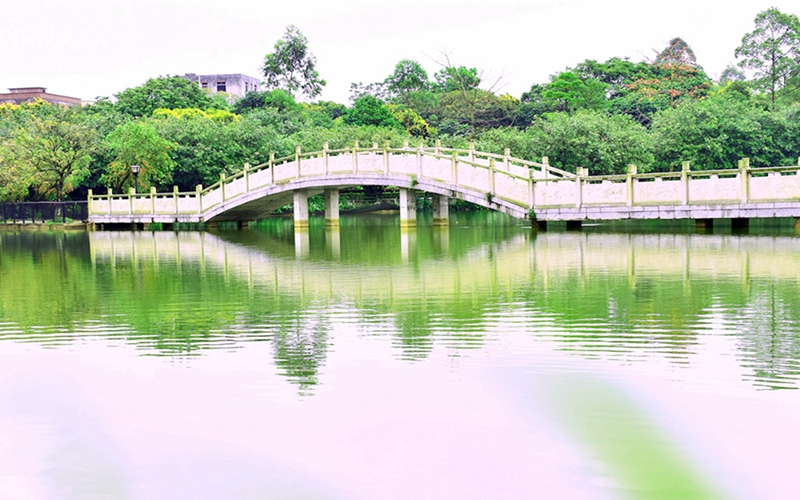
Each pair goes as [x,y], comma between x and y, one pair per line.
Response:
[481,360]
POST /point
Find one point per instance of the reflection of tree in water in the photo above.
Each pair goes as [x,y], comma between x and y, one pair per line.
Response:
[770,336]
[301,346]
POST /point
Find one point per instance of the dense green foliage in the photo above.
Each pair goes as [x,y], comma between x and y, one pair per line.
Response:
[601,115]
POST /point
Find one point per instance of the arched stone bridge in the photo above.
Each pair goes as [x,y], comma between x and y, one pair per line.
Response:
[522,189]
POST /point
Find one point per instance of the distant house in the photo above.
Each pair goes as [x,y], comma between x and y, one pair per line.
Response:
[30,94]
[236,84]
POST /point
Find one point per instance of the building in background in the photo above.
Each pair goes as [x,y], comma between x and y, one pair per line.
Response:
[235,84]
[30,94]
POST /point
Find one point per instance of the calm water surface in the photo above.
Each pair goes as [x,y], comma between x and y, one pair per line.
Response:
[476,361]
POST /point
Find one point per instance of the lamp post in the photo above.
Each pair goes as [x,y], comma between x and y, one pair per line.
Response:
[135,169]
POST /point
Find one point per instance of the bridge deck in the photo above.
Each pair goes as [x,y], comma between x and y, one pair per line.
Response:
[520,188]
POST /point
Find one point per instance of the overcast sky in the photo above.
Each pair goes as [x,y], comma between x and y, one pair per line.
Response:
[90,48]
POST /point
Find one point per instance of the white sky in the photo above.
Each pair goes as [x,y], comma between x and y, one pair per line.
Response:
[90,48]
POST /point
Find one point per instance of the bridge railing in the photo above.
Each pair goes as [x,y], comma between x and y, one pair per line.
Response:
[685,187]
[500,176]
[518,183]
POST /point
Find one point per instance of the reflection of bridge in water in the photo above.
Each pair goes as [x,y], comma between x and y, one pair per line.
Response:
[525,255]
[656,290]
[522,189]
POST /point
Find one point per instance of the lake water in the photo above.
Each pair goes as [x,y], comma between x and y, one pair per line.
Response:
[481,360]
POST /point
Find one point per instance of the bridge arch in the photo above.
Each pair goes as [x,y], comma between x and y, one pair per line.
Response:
[497,182]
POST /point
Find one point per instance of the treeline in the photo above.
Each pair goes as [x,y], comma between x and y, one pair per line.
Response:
[600,115]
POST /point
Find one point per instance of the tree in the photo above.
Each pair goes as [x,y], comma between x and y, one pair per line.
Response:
[594,139]
[717,132]
[367,110]
[677,53]
[772,50]
[409,76]
[138,143]
[568,92]
[291,67]
[54,151]
[452,79]
[731,74]
[459,90]
[15,178]
[170,92]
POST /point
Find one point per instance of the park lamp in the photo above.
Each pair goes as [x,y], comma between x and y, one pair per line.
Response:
[135,169]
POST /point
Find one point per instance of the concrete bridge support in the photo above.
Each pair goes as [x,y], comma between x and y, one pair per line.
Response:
[300,209]
[740,226]
[441,210]
[408,207]
[704,225]
[539,225]
[574,225]
[331,207]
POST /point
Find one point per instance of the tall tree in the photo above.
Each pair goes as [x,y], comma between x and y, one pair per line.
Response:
[138,143]
[409,76]
[292,67]
[55,149]
[568,92]
[772,50]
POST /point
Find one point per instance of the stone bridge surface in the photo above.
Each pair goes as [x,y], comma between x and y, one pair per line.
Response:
[522,189]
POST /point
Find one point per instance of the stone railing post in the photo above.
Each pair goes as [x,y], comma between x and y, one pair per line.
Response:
[506,159]
[222,186]
[531,189]
[582,172]
[153,200]
[246,177]
[491,175]
[110,201]
[629,185]
[685,183]
[199,191]
[545,166]
[175,197]
[325,155]
[419,160]
[271,168]
[297,159]
[744,179]
[355,157]
[453,168]
[437,146]
[386,158]
[471,151]
[130,199]
[89,202]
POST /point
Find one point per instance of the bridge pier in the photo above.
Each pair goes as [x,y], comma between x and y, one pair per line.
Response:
[441,210]
[740,225]
[331,207]
[539,225]
[574,225]
[408,207]
[300,209]
[704,225]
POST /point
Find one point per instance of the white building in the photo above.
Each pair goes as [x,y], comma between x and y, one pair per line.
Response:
[234,84]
